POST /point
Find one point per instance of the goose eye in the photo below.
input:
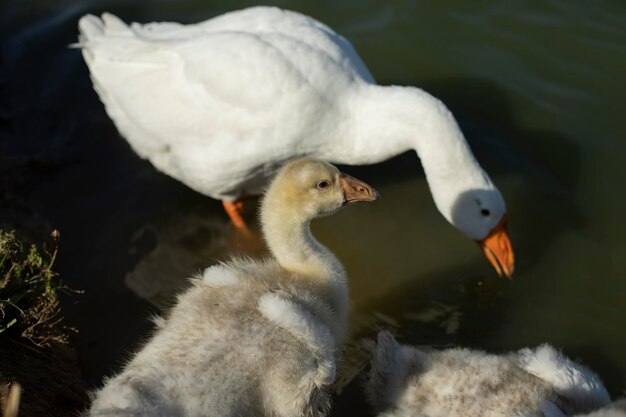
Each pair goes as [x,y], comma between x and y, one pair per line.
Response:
[485,212]
[323,184]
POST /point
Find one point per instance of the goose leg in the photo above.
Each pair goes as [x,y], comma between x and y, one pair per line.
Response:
[244,239]
[234,209]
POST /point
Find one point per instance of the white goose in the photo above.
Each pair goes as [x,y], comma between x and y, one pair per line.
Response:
[405,381]
[252,338]
[220,104]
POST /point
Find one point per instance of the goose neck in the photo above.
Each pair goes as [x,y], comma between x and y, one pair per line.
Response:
[390,120]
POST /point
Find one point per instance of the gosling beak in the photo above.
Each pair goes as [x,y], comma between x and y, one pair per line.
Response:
[498,250]
[355,190]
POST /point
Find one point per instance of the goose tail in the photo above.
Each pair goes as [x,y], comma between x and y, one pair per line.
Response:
[92,27]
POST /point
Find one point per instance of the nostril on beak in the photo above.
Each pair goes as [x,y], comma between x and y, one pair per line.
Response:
[356,190]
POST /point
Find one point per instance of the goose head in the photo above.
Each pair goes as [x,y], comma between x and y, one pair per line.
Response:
[305,189]
[477,209]
[481,215]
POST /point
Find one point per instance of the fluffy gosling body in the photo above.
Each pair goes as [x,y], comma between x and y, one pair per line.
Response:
[252,338]
[615,409]
[405,381]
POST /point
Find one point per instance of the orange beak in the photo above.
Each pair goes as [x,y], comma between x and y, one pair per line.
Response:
[356,190]
[498,250]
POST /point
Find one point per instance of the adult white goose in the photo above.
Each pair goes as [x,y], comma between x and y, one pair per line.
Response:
[252,338]
[220,104]
[405,381]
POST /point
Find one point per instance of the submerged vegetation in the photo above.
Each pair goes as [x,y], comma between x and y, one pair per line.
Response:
[29,306]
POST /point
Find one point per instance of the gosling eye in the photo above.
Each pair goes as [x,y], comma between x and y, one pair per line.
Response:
[323,184]
[485,212]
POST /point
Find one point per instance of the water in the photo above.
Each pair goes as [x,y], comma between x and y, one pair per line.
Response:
[538,90]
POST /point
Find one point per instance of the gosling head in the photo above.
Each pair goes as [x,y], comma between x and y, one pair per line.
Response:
[308,188]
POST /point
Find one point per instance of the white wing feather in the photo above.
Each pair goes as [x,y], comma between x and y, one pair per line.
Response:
[212,104]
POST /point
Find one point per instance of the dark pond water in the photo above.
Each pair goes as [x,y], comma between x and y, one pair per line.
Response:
[538,89]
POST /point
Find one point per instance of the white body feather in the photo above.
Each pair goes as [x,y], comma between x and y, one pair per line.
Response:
[220,104]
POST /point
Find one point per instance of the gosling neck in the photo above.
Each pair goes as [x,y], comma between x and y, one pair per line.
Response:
[291,242]
[289,238]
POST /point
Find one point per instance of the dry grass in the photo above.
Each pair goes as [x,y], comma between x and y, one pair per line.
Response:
[29,306]
[12,401]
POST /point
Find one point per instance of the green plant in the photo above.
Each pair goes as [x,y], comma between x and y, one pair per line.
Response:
[29,306]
